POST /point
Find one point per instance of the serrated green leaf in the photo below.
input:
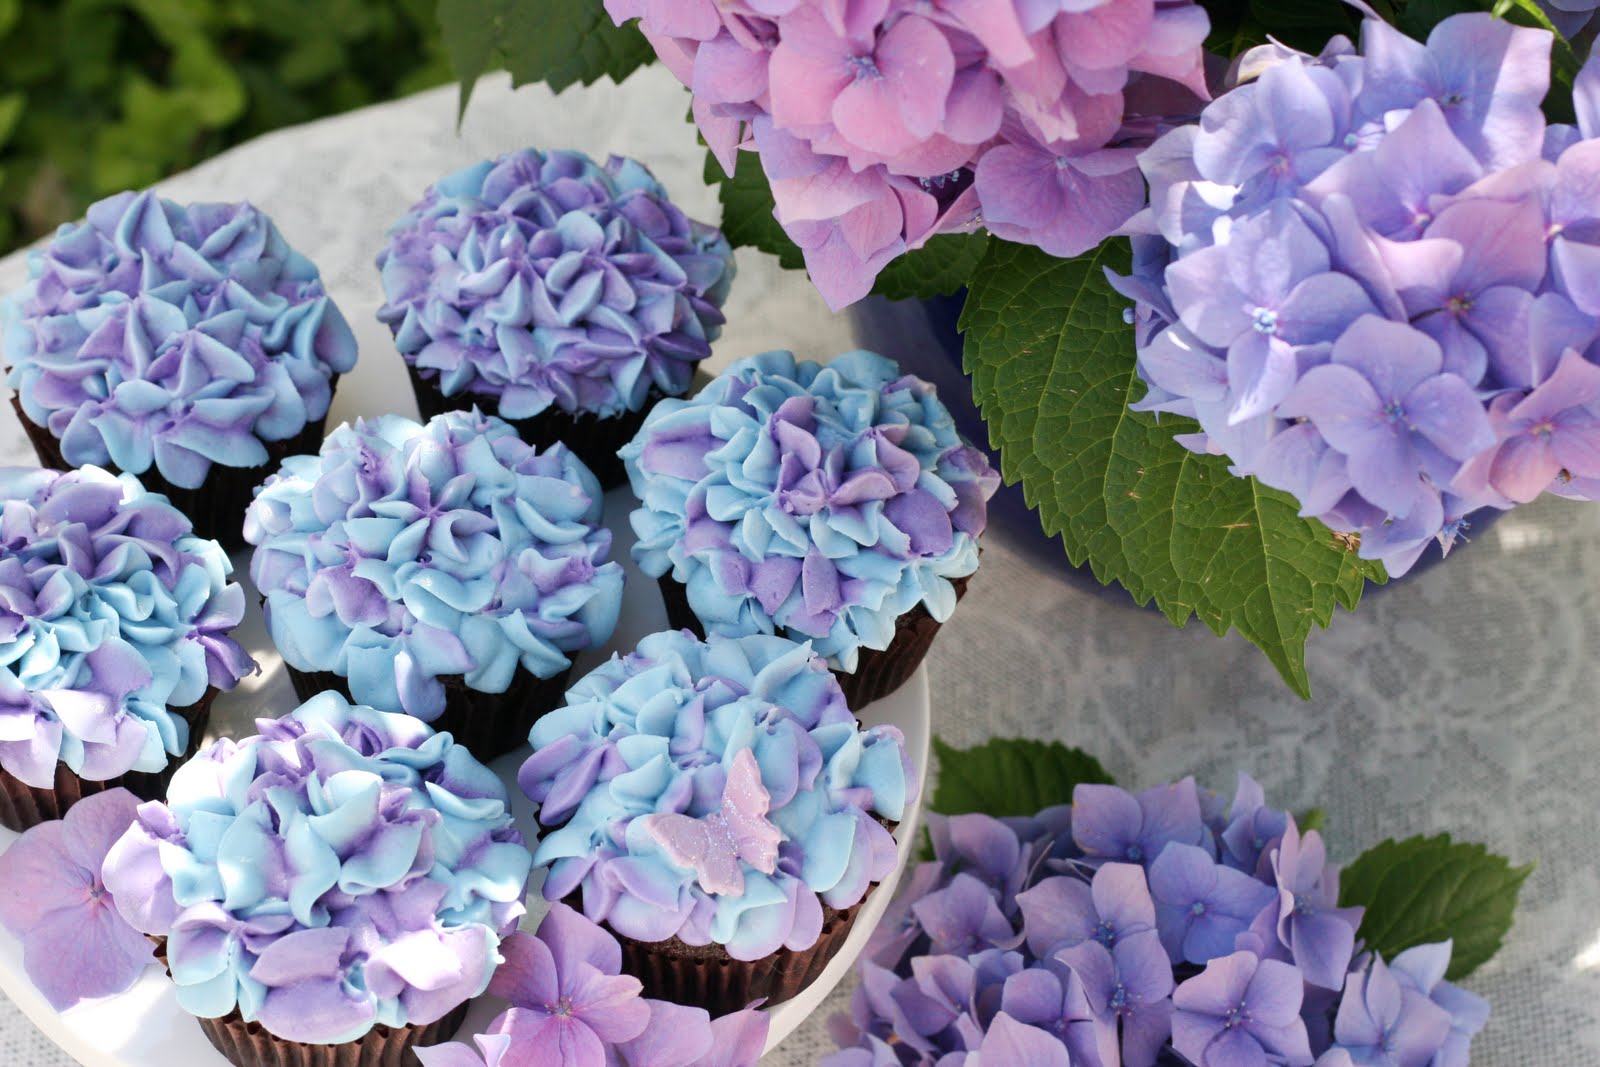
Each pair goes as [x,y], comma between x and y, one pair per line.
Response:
[1052,366]
[558,42]
[747,219]
[1428,889]
[938,268]
[1011,776]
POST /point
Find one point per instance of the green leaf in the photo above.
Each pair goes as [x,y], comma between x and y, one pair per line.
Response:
[941,266]
[1429,889]
[11,105]
[1052,366]
[558,42]
[1311,819]
[1011,776]
[747,207]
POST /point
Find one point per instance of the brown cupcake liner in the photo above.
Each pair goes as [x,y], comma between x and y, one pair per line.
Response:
[487,724]
[250,1045]
[23,806]
[217,507]
[595,440]
[878,672]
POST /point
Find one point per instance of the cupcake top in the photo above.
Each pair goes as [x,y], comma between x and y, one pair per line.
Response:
[404,553]
[158,334]
[716,791]
[344,867]
[820,501]
[111,614]
[544,278]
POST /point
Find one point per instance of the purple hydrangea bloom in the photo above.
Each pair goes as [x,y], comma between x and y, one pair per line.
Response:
[1111,824]
[883,125]
[1369,277]
[1383,1022]
[1200,905]
[546,279]
[1241,1010]
[1319,934]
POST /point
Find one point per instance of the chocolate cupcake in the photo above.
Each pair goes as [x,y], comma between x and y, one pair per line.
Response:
[562,295]
[114,637]
[717,806]
[449,571]
[833,504]
[331,891]
[188,345]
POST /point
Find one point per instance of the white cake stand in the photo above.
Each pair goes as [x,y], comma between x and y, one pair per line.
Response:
[145,1027]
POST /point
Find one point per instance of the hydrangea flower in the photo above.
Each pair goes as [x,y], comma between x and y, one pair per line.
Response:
[114,622]
[154,334]
[1212,948]
[403,553]
[571,1007]
[546,279]
[881,126]
[1368,276]
[75,944]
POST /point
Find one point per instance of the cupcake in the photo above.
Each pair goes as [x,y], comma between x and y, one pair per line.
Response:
[562,295]
[330,891]
[114,624]
[720,810]
[188,345]
[449,571]
[832,504]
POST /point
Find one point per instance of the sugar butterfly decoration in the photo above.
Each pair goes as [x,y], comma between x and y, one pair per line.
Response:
[714,844]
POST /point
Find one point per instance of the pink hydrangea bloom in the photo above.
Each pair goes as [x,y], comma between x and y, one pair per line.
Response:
[881,123]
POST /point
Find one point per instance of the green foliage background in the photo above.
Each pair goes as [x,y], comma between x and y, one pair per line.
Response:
[97,96]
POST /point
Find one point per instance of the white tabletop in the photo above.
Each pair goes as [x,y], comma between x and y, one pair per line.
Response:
[1463,700]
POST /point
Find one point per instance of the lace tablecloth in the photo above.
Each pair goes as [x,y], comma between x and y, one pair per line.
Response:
[1461,700]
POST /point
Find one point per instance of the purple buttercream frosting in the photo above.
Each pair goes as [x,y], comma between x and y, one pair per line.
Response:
[406,552]
[343,868]
[111,613]
[716,791]
[544,278]
[821,502]
[158,334]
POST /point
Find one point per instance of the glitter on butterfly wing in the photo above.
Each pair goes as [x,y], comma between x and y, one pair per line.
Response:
[714,844]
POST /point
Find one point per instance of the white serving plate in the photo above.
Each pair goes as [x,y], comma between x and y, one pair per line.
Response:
[145,1027]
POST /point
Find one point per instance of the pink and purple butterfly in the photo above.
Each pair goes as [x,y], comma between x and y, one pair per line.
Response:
[714,844]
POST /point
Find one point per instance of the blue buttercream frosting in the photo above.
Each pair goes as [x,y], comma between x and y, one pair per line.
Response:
[546,279]
[112,613]
[405,552]
[341,869]
[822,502]
[154,334]
[658,732]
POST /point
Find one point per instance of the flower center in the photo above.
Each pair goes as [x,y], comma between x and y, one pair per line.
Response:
[562,1007]
[1197,908]
[1452,99]
[1105,933]
[863,67]
[1135,854]
[1303,905]
[1394,411]
[1543,431]
[1119,999]
[1266,321]
[1238,1015]
[1458,305]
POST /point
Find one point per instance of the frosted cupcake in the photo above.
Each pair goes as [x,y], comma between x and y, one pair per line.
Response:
[560,294]
[449,571]
[188,345]
[720,810]
[833,504]
[331,890]
[114,637]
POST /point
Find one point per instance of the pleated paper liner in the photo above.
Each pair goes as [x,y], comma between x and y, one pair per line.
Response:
[23,806]
[488,724]
[705,976]
[595,440]
[217,507]
[250,1045]
[878,672]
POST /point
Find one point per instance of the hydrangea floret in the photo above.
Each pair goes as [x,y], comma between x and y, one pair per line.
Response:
[1140,929]
[403,553]
[887,123]
[820,502]
[751,739]
[112,615]
[567,993]
[1368,275]
[158,334]
[545,278]
[342,868]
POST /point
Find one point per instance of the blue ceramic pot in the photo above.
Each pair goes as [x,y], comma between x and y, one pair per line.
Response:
[921,336]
